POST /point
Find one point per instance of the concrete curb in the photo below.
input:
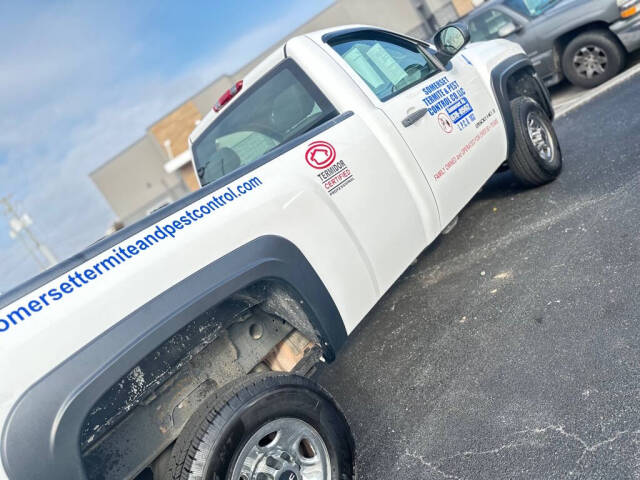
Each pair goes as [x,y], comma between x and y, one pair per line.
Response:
[589,95]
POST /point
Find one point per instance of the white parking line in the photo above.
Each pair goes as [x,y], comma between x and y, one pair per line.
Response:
[565,107]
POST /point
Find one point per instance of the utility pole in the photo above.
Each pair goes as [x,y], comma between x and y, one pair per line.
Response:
[19,227]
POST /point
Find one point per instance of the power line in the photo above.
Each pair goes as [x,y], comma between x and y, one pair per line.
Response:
[19,229]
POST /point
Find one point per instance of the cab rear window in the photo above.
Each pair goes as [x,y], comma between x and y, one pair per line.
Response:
[278,108]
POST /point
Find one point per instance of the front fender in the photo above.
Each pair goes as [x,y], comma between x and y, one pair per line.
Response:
[500,76]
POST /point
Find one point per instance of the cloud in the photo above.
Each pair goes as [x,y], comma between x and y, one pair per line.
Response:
[72,96]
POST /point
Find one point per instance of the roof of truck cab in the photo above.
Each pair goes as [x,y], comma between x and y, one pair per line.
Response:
[320,35]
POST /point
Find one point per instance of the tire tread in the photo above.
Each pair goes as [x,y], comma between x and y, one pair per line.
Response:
[599,37]
[215,412]
[522,162]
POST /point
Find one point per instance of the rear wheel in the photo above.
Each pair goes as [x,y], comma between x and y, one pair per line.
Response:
[592,58]
[265,427]
[536,158]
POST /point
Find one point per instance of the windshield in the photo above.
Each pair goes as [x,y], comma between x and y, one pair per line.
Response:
[536,7]
[280,107]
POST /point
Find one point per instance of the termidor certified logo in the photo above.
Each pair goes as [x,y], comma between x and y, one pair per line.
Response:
[335,175]
[320,155]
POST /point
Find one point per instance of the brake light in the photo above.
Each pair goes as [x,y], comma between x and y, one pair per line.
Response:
[228,95]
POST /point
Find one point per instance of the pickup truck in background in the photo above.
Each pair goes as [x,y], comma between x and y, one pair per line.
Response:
[585,41]
[181,347]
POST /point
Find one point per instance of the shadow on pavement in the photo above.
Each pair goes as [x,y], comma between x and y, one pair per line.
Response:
[500,185]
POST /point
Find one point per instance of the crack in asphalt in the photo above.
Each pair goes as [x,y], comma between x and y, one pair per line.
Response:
[421,459]
[436,465]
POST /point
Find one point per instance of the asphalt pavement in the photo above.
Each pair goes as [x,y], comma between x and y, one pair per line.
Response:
[511,349]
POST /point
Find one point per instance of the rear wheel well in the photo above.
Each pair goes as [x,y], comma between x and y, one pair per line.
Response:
[265,326]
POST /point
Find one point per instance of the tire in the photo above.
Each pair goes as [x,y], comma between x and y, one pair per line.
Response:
[534,165]
[236,420]
[592,58]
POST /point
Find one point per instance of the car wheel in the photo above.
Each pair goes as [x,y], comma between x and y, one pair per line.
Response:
[265,427]
[592,58]
[536,158]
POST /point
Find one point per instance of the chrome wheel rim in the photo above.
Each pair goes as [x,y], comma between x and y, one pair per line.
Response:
[283,449]
[540,137]
[590,61]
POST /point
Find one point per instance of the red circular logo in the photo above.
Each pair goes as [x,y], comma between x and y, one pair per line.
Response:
[320,155]
[445,123]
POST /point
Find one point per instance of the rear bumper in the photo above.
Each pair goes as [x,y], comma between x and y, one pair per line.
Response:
[628,31]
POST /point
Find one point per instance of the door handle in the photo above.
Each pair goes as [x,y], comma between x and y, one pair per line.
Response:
[413,117]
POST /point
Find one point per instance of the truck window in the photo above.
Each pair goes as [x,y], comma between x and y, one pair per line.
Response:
[518,6]
[387,64]
[278,108]
[487,24]
[530,8]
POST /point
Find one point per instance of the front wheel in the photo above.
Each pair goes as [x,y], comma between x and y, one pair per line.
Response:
[536,158]
[592,58]
[265,427]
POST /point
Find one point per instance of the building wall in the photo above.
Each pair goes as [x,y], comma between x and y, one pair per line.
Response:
[173,131]
[206,98]
[135,181]
[462,6]
[189,177]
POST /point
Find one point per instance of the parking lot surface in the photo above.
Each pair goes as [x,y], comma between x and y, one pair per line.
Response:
[511,349]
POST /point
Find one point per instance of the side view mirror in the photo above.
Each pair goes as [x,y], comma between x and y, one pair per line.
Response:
[449,40]
[507,29]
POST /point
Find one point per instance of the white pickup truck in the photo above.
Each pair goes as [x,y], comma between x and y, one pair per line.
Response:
[181,347]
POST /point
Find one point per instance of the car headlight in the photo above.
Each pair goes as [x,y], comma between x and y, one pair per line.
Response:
[628,8]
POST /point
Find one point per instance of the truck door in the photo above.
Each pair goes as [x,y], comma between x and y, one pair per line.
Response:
[449,119]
